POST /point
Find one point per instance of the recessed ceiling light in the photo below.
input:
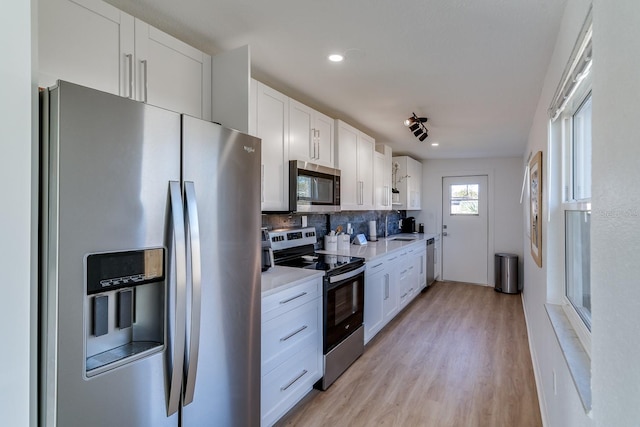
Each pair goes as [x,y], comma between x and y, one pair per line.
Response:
[336,57]
[435,144]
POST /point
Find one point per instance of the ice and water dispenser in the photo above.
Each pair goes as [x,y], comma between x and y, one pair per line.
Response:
[124,307]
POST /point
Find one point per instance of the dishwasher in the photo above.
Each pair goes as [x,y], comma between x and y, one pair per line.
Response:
[431,277]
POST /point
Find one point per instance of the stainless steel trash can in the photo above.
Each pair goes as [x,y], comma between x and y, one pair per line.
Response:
[506,273]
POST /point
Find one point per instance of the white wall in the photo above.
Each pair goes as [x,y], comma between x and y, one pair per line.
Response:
[615,227]
[505,213]
[562,407]
[17,243]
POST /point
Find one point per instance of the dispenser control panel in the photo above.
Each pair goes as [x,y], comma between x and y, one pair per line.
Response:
[109,271]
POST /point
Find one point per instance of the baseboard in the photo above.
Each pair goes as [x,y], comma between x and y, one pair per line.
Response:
[536,368]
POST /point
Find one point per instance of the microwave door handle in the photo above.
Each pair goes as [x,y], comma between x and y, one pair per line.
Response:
[314,188]
[178,302]
[193,229]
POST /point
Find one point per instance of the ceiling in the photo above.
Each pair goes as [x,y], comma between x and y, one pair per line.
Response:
[475,68]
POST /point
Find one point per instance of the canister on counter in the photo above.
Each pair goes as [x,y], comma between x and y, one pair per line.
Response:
[421,228]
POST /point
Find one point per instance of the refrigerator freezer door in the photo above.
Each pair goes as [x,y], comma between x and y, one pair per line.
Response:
[224,166]
[110,161]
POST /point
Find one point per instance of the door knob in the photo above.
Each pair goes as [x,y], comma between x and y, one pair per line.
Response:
[444,233]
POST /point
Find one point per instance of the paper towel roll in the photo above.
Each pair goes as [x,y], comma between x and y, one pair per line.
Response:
[373,234]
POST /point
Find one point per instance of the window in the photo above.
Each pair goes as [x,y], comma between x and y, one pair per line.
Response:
[464,199]
[577,208]
[570,187]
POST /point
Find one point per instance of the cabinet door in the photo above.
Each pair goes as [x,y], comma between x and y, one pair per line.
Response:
[390,295]
[382,177]
[85,42]
[366,147]
[347,163]
[323,128]
[170,73]
[414,169]
[272,125]
[302,141]
[373,303]
[421,261]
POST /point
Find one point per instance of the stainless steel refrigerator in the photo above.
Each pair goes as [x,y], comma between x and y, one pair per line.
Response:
[150,267]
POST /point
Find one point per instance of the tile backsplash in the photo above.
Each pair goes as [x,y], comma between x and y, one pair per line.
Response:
[324,223]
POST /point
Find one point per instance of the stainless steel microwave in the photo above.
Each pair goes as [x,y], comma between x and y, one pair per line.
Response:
[313,188]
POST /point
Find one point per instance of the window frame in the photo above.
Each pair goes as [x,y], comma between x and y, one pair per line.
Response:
[570,203]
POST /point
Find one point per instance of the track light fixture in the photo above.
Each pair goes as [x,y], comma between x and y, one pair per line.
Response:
[416,125]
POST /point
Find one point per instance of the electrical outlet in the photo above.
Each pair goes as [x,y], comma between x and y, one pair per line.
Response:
[555,383]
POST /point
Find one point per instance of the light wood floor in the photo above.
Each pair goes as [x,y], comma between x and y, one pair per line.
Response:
[457,356]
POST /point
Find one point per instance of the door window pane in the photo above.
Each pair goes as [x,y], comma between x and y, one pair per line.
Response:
[578,262]
[464,199]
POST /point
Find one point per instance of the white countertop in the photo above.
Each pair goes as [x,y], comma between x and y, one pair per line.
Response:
[279,278]
[384,246]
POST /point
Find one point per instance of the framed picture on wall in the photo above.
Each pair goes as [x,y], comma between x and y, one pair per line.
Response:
[535,211]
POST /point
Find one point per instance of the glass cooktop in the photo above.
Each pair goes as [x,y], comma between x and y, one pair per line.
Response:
[325,262]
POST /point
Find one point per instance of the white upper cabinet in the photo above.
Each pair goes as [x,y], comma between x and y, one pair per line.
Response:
[85,42]
[408,180]
[310,135]
[94,44]
[171,74]
[355,161]
[382,177]
[271,119]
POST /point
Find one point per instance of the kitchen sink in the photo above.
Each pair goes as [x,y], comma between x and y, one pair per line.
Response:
[403,239]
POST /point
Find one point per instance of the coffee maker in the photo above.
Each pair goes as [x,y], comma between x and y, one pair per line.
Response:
[409,225]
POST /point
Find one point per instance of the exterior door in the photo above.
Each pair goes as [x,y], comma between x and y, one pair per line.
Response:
[465,229]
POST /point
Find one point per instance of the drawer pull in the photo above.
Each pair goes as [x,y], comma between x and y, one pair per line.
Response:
[377,265]
[297,331]
[292,298]
[285,387]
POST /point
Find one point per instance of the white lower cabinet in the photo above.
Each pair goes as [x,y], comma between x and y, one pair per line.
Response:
[376,282]
[380,295]
[291,347]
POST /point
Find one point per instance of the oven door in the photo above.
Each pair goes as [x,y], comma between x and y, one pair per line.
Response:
[343,306]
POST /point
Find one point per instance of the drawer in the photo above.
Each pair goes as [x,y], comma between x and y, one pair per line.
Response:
[374,267]
[286,385]
[288,333]
[281,302]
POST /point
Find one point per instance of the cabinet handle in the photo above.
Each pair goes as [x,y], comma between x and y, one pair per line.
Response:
[377,265]
[312,144]
[290,383]
[130,71]
[145,75]
[292,298]
[404,295]
[361,192]
[297,331]
[391,259]
[386,286]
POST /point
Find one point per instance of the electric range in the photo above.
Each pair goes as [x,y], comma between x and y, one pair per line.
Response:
[342,297]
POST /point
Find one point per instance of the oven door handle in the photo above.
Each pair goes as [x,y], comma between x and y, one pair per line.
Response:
[347,275]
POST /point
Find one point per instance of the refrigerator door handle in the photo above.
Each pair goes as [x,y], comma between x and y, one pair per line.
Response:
[175,353]
[193,230]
